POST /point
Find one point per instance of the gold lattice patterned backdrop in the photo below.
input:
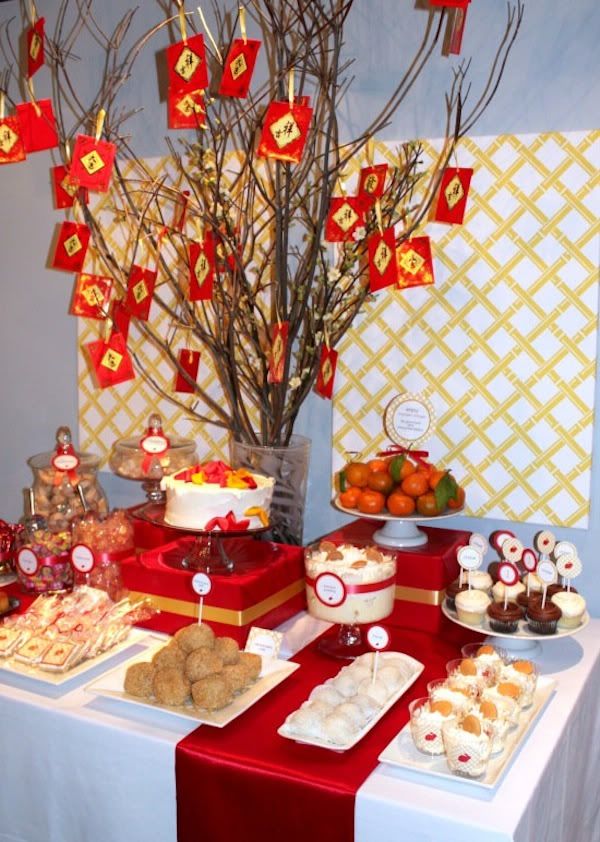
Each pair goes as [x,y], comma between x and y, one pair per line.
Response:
[505,343]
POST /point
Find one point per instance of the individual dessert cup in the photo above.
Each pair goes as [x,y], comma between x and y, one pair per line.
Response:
[499,725]
[468,745]
[506,695]
[504,618]
[461,698]
[511,592]
[524,673]
[484,653]
[471,606]
[466,673]
[572,606]
[426,721]
[453,588]
[542,618]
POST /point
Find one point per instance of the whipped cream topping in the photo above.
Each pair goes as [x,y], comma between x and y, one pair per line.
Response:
[571,604]
[357,565]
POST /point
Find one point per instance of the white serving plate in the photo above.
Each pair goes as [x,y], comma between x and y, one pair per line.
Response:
[56,678]
[418,666]
[273,673]
[403,753]
[522,633]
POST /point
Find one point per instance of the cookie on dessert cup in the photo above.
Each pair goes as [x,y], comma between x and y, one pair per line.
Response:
[468,746]
[427,718]
[461,698]
[499,725]
[504,618]
[467,673]
[525,674]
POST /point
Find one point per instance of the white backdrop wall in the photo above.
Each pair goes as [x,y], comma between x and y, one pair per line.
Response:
[551,84]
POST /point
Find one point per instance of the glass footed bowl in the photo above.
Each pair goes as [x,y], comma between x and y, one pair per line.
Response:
[128,460]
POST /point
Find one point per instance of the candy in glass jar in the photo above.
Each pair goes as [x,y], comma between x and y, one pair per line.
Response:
[43,559]
[100,543]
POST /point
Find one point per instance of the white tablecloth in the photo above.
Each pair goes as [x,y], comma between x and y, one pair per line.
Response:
[80,768]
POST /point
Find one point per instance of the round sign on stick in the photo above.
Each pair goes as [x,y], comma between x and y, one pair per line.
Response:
[469,558]
[330,589]
[378,637]
[27,561]
[508,573]
[568,565]
[479,542]
[544,542]
[546,571]
[82,558]
[409,419]
[201,584]
[564,548]
[529,559]
[512,549]
[497,538]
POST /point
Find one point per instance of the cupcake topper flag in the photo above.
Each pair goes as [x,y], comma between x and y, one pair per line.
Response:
[568,565]
[202,585]
[545,543]
[469,558]
[479,542]
[546,572]
[499,537]
[409,420]
[529,560]
[509,576]
[378,638]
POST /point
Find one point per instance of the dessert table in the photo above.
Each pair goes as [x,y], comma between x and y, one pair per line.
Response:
[81,767]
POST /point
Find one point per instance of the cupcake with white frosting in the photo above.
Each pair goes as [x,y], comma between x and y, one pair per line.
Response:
[572,606]
[471,606]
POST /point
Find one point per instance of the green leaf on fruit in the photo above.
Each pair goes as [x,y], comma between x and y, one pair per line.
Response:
[343,483]
[446,489]
[395,468]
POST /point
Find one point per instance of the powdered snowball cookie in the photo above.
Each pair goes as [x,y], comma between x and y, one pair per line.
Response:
[354,713]
[368,705]
[211,693]
[138,680]
[326,693]
[405,668]
[236,676]
[345,685]
[391,677]
[170,686]
[338,729]
[366,660]
[305,723]
[169,656]
[252,664]
[319,706]
[194,637]
[359,672]
[375,689]
[202,662]
[227,649]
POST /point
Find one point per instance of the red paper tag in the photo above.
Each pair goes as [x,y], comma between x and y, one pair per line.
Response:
[65,190]
[326,374]
[71,247]
[414,262]
[121,317]
[38,125]
[453,4]
[91,296]
[383,270]
[284,132]
[185,109]
[12,148]
[455,31]
[181,210]
[110,360]
[452,196]
[239,67]
[186,65]
[279,340]
[201,258]
[189,361]
[93,162]
[345,215]
[371,183]
[35,47]
[140,287]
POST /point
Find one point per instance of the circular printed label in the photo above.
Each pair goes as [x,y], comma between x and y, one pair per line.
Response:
[330,589]
[27,561]
[497,538]
[201,584]
[508,573]
[409,419]
[378,637]
[154,444]
[529,560]
[512,549]
[479,542]
[546,571]
[568,565]
[564,548]
[469,558]
[544,542]
[65,461]
[82,558]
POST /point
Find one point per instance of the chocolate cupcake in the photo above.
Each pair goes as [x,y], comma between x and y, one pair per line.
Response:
[454,588]
[504,620]
[543,620]
[493,570]
[523,600]
[556,588]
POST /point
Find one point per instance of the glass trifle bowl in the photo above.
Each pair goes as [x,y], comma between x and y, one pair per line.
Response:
[352,585]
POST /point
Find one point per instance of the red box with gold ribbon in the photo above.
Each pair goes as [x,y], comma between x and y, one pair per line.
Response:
[422,574]
[266,587]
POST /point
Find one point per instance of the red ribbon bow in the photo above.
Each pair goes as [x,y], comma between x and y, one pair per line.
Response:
[418,455]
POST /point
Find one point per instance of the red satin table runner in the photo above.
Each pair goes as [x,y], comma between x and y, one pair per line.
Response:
[245,782]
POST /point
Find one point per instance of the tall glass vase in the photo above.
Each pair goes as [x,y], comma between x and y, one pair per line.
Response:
[289,467]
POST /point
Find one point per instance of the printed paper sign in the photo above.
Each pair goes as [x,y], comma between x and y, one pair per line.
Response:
[378,637]
[264,642]
[201,583]
[330,589]
[82,558]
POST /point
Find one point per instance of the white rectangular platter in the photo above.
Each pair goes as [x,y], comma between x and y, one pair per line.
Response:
[57,678]
[418,667]
[403,753]
[273,673]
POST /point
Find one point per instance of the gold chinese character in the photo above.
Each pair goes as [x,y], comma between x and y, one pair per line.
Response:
[35,46]
[411,262]
[202,268]
[92,162]
[68,186]
[277,354]
[187,105]
[92,295]
[371,182]
[187,64]
[454,192]
[382,257]
[111,359]
[345,217]
[73,245]
[285,130]
[8,138]
[238,66]
[140,291]
[326,371]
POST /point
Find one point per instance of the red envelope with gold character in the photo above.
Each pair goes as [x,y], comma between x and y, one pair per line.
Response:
[382,260]
[326,376]
[452,197]
[239,67]
[189,362]
[93,162]
[346,214]
[415,265]
[186,65]
[110,360]
[202,268]
[38,125]
[120,318]
[279,340]
[285,130]
[65,190]
[185,109]
[71,247]
[371,183]
[35,47]
[91,296]
[140,287]
[12,148]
